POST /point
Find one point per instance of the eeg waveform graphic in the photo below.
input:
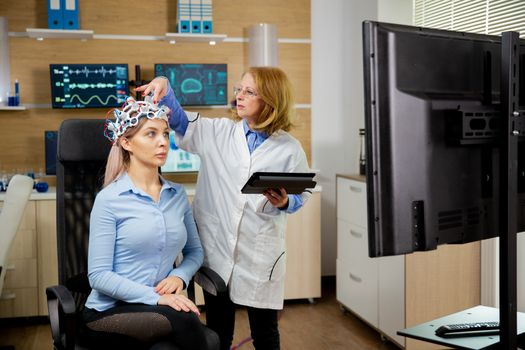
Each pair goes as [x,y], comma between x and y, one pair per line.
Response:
[104,103]
[86,71]
[88,85]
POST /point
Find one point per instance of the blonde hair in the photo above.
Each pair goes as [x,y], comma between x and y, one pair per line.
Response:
[275,89]
[118,158]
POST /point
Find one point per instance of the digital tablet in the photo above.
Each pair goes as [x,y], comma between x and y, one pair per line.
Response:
[293,183]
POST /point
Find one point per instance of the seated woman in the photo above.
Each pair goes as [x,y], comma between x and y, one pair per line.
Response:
[139,224]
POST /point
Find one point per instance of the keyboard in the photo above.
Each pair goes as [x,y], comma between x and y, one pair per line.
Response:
[468,329]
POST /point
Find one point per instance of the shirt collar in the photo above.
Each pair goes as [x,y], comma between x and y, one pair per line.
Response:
[247,130]
[124,184]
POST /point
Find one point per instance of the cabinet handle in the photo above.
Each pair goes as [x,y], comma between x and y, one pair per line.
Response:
[355,278]
[356,234]
[355,189]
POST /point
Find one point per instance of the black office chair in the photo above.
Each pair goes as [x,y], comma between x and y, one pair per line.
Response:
[82,153]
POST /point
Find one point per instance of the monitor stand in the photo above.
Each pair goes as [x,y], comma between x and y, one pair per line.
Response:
[511,321]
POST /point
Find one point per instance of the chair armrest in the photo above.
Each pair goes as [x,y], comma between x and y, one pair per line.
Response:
[210,281]
[62,316]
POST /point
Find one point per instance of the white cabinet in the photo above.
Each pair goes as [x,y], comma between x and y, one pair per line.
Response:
[372,288]
[392,293]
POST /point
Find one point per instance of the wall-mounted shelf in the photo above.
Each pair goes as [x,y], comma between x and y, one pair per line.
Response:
[212,39]
[12,108]
[45,33]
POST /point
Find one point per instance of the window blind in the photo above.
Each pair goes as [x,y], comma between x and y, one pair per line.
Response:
[477,16]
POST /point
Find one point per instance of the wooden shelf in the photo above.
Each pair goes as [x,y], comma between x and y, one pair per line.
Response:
[45,33]
[212,39]
[12,108]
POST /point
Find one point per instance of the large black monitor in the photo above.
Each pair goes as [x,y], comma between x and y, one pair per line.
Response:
[88,85]
[432,120]
[197,84]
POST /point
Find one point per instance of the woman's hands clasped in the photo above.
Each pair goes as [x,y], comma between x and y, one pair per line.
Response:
[159,87]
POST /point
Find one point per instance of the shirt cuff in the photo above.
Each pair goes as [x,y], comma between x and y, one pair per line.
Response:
[294,204]
[179,274]
[178,119]
[288,204]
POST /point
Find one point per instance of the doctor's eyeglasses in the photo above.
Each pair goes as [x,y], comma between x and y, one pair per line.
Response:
[248,92]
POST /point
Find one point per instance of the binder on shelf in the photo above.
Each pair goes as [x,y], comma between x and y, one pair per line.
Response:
[196,16]
[183,16]
[54,14]
[70,14]
[207,24]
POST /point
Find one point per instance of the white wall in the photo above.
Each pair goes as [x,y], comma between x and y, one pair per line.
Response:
[395,11]
[4,61]
[337,96]
[327,115]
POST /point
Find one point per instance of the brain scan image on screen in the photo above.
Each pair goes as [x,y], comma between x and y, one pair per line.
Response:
[196,84]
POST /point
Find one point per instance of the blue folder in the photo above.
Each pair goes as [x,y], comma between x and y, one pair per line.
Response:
[70,11]
[54,14]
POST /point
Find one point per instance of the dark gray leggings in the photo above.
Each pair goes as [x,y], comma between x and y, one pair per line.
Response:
[141,326]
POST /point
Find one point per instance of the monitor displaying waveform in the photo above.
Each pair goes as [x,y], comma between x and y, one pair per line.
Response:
[196,84]
[179,160]
[88,85]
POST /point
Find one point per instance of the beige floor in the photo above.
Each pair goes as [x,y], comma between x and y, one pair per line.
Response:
[303,326]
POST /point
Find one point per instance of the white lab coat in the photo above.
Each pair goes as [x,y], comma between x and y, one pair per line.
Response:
[242,235]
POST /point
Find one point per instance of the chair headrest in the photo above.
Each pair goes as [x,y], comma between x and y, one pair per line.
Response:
[20,188]
[82,140]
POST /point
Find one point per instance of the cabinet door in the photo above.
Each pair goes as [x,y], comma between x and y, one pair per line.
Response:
[357,290]
[303,251]
[351,201]
[352,243]
[47,250]
[19,295]
[357,274]
[392,296]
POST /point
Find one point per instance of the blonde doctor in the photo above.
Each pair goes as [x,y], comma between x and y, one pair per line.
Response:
[242,234]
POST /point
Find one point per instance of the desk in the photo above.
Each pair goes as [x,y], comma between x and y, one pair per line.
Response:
[426,331]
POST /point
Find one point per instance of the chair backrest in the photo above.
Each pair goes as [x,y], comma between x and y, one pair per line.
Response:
[17,195]
[82,152]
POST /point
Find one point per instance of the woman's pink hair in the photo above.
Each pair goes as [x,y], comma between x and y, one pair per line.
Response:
[118,158]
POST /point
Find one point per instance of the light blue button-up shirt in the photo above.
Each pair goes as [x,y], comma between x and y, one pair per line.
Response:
[179,123]
[134,241]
